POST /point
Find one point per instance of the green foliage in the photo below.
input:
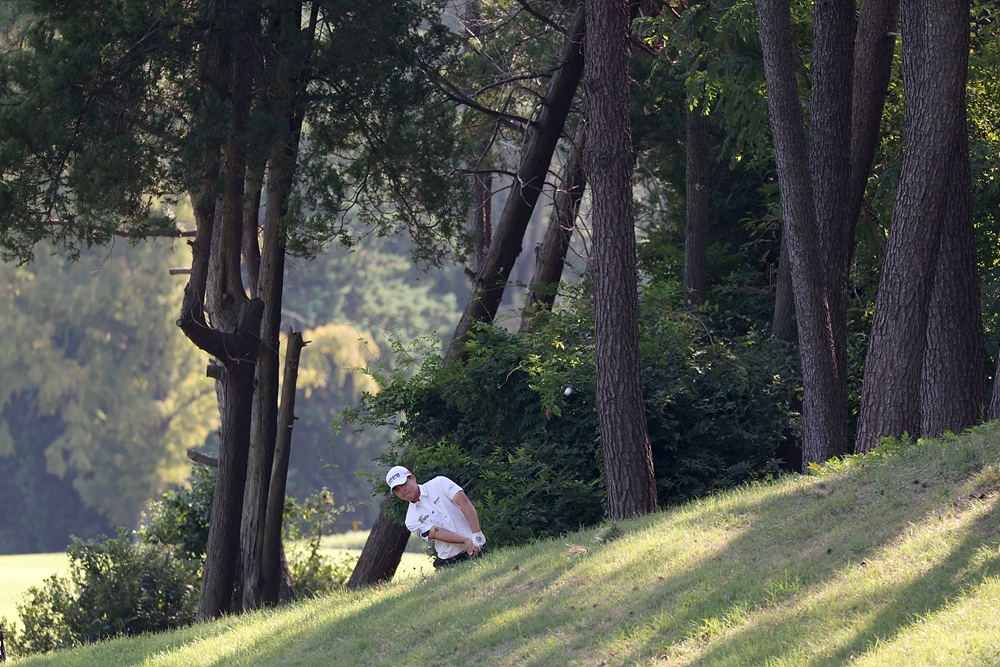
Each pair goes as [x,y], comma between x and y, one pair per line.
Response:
[180,519]
[305,523]
[106,107]
[114,587]
[114,392]
[527,450]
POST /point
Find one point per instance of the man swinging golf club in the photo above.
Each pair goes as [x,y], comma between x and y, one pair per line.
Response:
[441,513]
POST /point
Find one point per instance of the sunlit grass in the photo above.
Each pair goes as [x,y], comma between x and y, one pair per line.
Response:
[20,572]
[889,562]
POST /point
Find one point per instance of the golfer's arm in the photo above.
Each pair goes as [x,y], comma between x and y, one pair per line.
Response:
[445,535]
[468,509]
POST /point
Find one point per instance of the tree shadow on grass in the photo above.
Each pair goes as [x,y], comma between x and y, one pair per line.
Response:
[689,580]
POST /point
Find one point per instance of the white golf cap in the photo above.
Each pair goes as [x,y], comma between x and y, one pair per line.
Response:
[396,476]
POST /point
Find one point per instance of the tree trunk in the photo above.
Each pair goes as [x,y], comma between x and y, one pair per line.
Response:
[387,540]
[550,255]
[272,554]
[824,424]
[536,155]
[830,168]
[383,549]
[233,340]
[935,62]
[874,45]
[287,84]
[952,384]
[783,323]
[628,461]
[696,224]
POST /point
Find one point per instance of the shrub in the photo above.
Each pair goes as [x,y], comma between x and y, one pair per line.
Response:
[114,587]
[305,522]
[149,581]
[516,426]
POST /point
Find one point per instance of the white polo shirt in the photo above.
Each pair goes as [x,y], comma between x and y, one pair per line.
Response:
[437,507]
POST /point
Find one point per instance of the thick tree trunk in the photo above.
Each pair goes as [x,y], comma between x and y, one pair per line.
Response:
[536,155]
[952,388]
[628,461]
[550,255]
[824,424]
[272,555]
[696,223]
[935,62]
[387,540]
[829,168]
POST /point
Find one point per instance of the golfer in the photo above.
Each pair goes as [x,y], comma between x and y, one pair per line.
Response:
[441,513]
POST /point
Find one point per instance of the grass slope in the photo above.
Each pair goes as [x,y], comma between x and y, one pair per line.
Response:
[892,560]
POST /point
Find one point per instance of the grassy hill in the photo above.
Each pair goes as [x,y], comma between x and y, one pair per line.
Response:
[889,560]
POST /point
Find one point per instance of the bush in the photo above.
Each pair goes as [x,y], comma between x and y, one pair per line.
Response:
[114,587]
[517,427]
[305,522]
[149,581]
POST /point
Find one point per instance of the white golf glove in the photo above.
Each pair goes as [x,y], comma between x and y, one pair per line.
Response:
[479,540]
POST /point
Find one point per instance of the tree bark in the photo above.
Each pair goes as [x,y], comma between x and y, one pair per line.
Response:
[697,207]
[874,45]
[935,62]
[824,425]
[952,387]
[387,540]
[783,322]
[536,155]
[287,83]
[383,549]
[550,255]
[272,554]
[628,461]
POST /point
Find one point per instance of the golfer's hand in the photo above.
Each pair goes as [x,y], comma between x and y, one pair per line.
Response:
[470,547]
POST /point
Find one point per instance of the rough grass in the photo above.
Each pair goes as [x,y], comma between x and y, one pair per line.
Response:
[889,560]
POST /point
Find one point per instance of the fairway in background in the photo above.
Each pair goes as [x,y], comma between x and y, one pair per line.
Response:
[20,572]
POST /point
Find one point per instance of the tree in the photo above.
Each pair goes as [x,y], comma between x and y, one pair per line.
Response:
[628,462]
[824,420]
[189,98]
[382,551]
[101,395]
[935,124]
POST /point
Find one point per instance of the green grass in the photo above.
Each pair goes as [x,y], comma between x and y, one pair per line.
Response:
[18,573]
[891,561]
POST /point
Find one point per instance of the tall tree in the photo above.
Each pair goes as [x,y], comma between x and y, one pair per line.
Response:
[824,423]
[164,100]
[385,544]
[628,462]
[935,63]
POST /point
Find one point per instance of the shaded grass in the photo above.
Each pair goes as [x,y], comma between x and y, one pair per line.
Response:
[893,560]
